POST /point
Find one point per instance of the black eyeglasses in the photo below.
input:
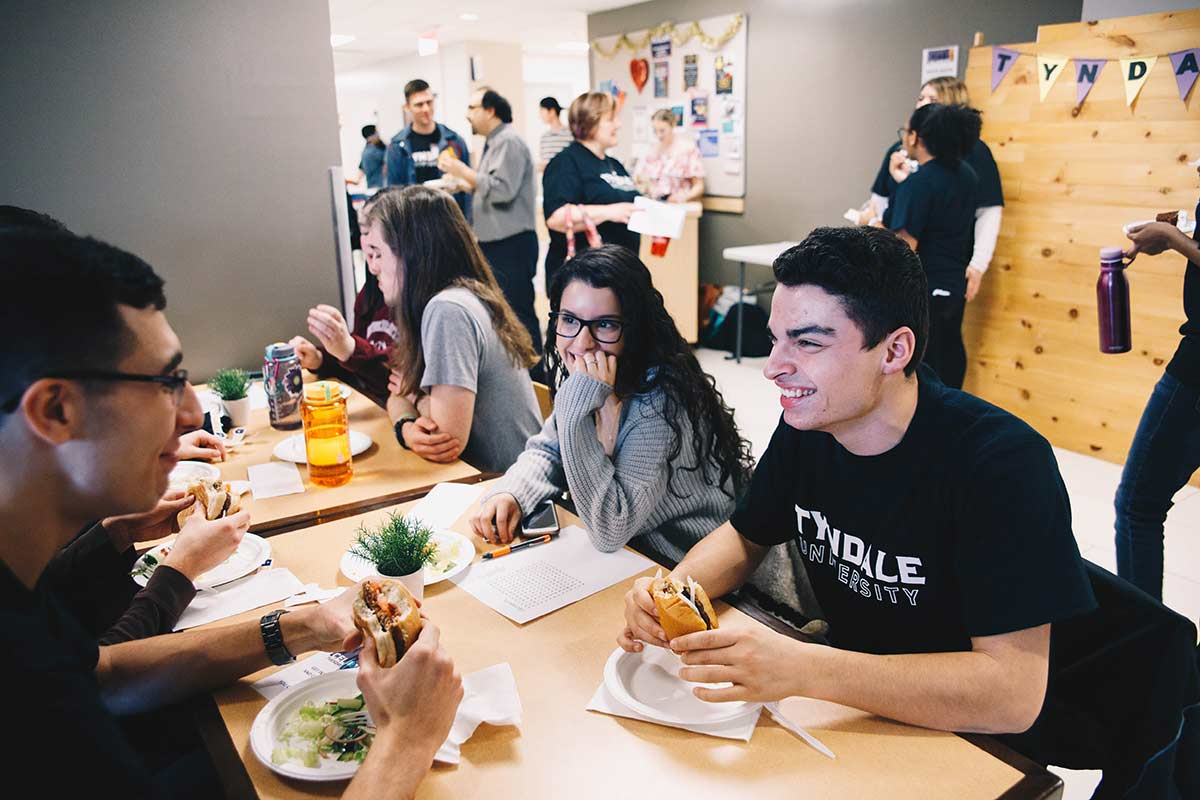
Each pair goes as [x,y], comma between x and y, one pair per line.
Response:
[173,382]
[605,331]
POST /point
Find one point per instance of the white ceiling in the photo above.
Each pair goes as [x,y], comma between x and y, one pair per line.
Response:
[387,29]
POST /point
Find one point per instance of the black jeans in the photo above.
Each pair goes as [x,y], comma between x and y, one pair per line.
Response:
[945,353]
[514,262]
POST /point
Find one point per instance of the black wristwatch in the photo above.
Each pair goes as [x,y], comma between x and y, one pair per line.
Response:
[273,638]
[398,428]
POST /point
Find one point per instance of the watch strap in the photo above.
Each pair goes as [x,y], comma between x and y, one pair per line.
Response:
[272,637]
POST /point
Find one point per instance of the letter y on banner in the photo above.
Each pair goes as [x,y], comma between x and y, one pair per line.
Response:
[1134,72]
[1048,69]
[1003,60]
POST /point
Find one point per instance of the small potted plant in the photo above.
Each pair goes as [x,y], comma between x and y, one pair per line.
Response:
[231,386]
[399,548]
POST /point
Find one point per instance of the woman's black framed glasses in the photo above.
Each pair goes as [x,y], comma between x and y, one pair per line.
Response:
[173,382]
[605,330]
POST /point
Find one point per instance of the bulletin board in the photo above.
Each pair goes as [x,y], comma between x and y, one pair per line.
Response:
[698,69]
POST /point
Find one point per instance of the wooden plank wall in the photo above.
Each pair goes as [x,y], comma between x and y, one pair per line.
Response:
[1072,178]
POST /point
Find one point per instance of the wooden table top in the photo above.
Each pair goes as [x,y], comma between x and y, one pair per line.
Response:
[560,747]
[385,474]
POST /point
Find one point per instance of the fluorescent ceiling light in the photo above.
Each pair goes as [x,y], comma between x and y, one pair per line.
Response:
[339,39]
[469,17]
[574,47]
[427,44]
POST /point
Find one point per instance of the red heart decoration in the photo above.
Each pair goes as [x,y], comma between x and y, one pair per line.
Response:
[639,70]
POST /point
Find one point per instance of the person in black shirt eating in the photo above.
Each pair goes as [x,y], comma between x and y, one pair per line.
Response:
[934,211]
[583,186]
[935,526]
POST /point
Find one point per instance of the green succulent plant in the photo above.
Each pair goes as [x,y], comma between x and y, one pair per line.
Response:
[230,384]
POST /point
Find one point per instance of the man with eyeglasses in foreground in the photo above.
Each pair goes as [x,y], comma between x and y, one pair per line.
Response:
[93,406]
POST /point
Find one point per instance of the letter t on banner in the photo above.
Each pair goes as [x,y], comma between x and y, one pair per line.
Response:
[1087,70]
[1003,60]
[1186,70]
[1134,72]
[1049,68]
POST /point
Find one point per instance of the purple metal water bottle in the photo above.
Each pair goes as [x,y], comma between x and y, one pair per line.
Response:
[1112,302]
[284,386]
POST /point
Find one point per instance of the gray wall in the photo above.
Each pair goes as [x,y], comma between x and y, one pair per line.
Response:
[195,133]
[1104,9]
[829,82]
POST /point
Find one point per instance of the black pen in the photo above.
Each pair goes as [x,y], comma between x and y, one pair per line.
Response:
[512,548]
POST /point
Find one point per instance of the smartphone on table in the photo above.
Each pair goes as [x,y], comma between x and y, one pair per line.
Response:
[542,520]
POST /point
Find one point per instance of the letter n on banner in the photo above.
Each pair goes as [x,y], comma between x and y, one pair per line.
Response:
[1186,70]
[1003,60]
[1087,70]
[1134,72]
[1048,69]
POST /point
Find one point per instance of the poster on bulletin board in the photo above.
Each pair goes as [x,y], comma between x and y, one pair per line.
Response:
[698,71]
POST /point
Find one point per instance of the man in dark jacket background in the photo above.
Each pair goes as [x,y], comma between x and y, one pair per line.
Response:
[412,154]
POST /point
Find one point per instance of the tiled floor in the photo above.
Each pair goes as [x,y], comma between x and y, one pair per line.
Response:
[1091,484]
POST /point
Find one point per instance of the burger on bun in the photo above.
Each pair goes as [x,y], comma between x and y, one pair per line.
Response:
[683,606]
[387,615]
[213,497]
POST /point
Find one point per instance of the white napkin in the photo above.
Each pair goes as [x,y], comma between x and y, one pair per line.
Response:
[274,479]
[489,695]
[259,589]
[257,395]
[657,219]
[737,728]
[445,503]
[313,593]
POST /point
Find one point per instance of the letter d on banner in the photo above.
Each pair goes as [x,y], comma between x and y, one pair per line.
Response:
[1048,69]
[1134,72]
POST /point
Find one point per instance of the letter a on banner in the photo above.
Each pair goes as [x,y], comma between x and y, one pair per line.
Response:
[1087,70]
[1134,72]
[1003,60]
[1049,68]
[1186,70]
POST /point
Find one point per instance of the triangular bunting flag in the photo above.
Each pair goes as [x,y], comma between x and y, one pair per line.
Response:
[1048,69]
[1186,70]
[1003,60]
[1134,72]
[1087,70]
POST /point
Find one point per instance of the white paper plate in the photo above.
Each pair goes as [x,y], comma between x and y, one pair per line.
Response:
[648,683]
[1186,227]
[458,549]
[249,556]
[187,471]
[270,721]
[292,448]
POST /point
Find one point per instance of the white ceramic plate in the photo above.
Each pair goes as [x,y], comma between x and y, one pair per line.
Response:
[249,556]
[292,448]
[455,553]
[648,683]
[270,721]
[187,471]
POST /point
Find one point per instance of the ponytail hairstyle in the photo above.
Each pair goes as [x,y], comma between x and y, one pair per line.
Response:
[656,356]
[948,132]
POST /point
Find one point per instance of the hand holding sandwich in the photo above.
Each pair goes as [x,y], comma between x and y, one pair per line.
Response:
[126,531]
[762,665]
[203,543]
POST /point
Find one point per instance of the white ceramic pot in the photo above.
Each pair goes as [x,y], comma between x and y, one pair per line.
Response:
[238,411]
[414,582]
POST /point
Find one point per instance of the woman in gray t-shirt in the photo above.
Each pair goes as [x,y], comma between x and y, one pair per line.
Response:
[460,386]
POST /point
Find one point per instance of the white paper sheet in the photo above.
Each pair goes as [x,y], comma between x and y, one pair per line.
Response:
[445,503]
[533,582]
[318,664]
[257,395]
[657,219]
[274,479]
[260,589]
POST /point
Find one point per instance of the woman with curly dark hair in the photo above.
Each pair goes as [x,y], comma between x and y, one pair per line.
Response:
[639,435]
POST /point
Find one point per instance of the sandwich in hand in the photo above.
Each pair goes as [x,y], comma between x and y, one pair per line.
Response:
[1169,217]
[387,615]
[213,497]
[683,606]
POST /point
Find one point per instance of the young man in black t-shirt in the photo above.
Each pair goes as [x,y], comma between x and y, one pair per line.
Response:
[935,527]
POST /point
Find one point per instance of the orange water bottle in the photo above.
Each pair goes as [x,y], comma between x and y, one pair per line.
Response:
[326,434]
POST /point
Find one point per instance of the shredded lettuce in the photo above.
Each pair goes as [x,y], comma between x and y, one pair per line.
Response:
[302,739]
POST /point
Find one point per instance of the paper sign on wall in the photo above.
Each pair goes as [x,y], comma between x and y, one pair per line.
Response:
[1048,70]
[660,47]
[1183,64]
[709,142]
[678,112]
[691,71]
[939,62]
[724,74]
[1003,60]
[700,111]
[1087,70]
[662,71]
[1134,72]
